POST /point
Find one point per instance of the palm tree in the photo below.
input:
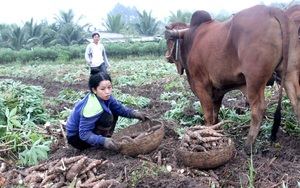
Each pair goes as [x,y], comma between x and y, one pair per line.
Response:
[34,33]
[180,17]
[69,35]
[114,24]
[69,31]
[67,17]
[4,37]
[14,37]
[147,26]
[49,37]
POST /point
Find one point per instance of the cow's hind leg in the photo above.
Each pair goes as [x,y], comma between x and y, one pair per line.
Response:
[258,106]
[292,89]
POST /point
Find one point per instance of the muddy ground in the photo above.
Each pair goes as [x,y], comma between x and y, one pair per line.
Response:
[272,166]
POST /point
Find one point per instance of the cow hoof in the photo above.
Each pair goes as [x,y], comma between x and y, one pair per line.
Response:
[247,150]
[273,137]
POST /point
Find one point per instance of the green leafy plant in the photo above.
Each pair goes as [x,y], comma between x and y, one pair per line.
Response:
[124,122]
[251,171]
[145,170]
[37,151]
[23,106]
[12,119]
[179,102]
[69,96]
[174,84]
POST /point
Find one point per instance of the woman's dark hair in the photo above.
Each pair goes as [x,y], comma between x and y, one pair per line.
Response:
[96,78]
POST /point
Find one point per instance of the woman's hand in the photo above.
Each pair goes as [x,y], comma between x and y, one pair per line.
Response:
[139,115]
[110,144]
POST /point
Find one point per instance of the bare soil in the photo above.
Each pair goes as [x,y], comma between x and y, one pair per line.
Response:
[273,165]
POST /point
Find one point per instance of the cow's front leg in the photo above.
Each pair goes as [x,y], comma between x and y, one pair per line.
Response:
[204,95]
[209,109]
[216,108]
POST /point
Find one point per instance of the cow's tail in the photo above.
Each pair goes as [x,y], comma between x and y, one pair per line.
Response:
[285,29]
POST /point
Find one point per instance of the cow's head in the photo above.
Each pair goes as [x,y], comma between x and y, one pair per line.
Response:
[174,32]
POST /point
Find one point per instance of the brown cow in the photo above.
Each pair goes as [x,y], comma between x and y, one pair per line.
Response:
[294,13]
[240,53]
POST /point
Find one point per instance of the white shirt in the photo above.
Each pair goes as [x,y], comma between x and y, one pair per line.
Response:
[94,53]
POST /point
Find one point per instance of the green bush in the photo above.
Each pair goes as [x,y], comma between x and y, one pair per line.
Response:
[66,53]
[7,55]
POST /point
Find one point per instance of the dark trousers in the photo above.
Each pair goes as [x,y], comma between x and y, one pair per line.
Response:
[101,68]
[76,142]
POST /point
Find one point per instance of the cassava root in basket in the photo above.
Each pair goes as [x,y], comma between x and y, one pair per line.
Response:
[139,136]
[204,138]
[62,172]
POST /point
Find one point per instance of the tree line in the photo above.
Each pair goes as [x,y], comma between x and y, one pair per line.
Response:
[67,31]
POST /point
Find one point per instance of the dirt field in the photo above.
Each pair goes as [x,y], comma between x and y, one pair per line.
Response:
[272,166]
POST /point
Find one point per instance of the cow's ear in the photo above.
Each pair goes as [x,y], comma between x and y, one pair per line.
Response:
[167,27]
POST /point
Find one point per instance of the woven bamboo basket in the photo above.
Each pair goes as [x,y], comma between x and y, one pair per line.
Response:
[209,159]
[140,138]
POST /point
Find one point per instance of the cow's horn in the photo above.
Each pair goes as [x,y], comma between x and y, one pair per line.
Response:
[175,34]
[171,34]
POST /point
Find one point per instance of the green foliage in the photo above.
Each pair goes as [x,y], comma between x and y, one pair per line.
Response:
[12,119]
[127,49]
[180,16]
[140,72]
[56,71]
[28,100]
[289,120]
[222,17]
[180,102]
[75,52]
[174,85]
[23,106]
[114,23]
[230,114]
[251,172]
[147,26]
[37,152]
[70,96]
[72,52]
[124,122]
[8,55]
[145,170]
[128,100]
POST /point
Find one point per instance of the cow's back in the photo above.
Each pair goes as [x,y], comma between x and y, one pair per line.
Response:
[257,28]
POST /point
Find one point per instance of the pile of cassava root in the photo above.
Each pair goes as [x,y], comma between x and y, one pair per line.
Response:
[204,138]
[79,171]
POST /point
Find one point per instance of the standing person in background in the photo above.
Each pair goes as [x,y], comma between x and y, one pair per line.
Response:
[95,55]
[93,120]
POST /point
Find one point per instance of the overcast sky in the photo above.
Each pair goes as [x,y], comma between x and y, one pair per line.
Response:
[20,11]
